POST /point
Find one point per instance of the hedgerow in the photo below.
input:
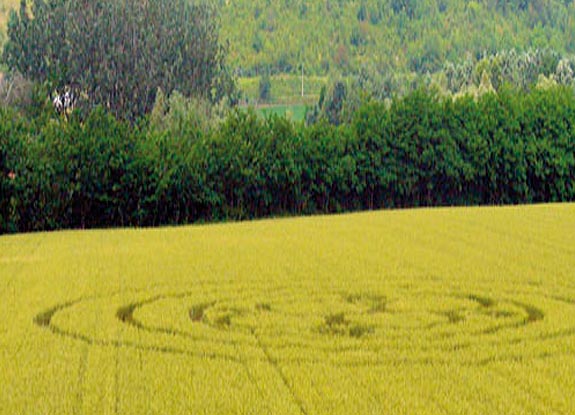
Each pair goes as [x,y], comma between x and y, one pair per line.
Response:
[420,150]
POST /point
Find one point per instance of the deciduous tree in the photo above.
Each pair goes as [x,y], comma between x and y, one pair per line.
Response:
[117,53]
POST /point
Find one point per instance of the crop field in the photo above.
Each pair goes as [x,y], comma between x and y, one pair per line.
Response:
[430,311]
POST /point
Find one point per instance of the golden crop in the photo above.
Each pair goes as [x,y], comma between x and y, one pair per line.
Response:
[431,311]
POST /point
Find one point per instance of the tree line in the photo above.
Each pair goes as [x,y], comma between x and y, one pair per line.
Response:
[179,165]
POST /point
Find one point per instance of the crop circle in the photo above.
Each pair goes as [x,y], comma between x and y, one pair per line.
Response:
[389,322]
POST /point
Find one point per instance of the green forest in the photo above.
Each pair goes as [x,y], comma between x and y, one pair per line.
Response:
[129,113]
[394,42]
[336,36]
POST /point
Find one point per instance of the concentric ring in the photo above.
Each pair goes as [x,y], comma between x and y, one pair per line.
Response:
[377,323]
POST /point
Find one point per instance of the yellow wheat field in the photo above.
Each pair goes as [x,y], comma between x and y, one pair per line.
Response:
[440,311]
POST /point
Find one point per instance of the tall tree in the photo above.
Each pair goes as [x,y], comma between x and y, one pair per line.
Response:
[119,52]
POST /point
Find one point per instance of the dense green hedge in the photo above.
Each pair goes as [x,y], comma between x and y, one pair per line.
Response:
[422,150]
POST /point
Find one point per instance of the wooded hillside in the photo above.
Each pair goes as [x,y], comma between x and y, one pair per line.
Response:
[391,35]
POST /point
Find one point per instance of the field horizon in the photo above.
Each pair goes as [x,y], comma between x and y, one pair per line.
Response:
[431,310]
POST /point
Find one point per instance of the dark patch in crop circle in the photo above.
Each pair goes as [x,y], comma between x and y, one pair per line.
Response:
[484,302]
[454,316]
[197,311]
[336,324]
[263,307]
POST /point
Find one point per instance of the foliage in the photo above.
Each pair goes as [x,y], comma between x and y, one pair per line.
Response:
[398,36]
[264,88]
[15,91]
[506,67]
[180,116]
[337,104]
[472,75]
[184,164]
[292,112]
[13,135]
[110,53]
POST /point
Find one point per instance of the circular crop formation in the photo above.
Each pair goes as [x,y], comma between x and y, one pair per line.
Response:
[380,323]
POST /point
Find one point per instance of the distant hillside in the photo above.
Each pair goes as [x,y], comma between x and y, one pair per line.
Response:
[390,35]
